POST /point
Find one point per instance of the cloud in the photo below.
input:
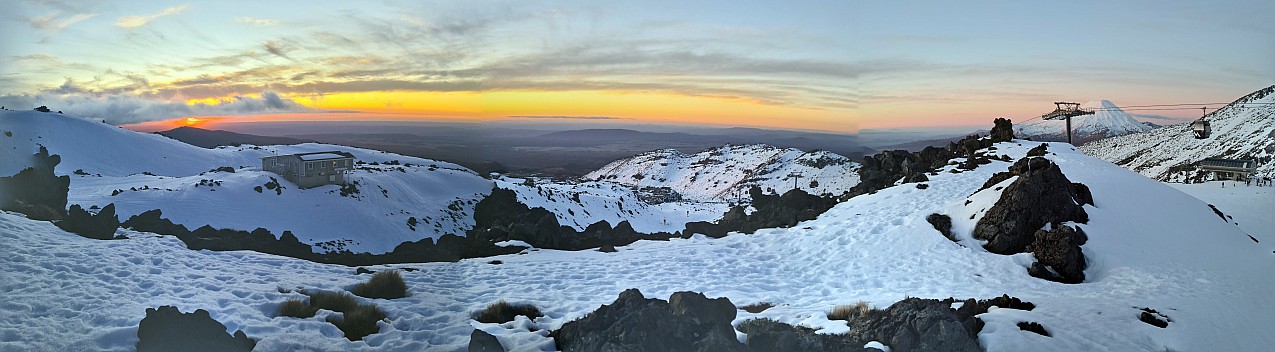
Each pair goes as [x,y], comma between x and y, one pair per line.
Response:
[278,49]
[126,108]
[570,117]
[51,24]
[259,22]
[131,22]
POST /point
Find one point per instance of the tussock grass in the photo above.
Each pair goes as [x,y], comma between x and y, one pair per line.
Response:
[757,307]
[385,284]
[296,308]
[356,320]
[333,301]
[359,322]
[504,312]
[850,311]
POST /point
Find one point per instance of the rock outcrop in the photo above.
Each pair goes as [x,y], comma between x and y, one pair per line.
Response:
[36,191]
[688,321]
[481,341]
[770,211]
[100,226]
[1041,195]
[913,324]
[1003,130]
[943,224]
[1058,255]
[167,329]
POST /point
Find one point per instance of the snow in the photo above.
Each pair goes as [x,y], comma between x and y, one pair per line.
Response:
[1109,121]
[168,176]
[512,243]
[877,345]
[1149,246]
[1250,206]
[1240,131]
[610,202]
[726,173]
[321,156]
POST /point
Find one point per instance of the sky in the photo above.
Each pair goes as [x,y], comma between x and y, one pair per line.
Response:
[836,66]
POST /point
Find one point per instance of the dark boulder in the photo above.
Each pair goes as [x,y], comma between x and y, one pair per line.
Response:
[884,169]
[1033,327]
[913,324]
[943,224]
[916,324]
[934,158]
[36,191]
[481,341]
[1003,130]
[501,217]
[1041,195]
[1156,319]
[766,335]
[153,221]
[1058,255]
[167,329]
[101,226]
[1039,150]
[770,211]
[686,322]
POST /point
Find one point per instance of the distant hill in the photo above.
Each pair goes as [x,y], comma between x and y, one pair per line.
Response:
[725,173]
[214,138]
[1243,129]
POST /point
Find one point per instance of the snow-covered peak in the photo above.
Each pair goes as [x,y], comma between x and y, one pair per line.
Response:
[1241,130]
[726,173]
[1104,104]
[1108,120]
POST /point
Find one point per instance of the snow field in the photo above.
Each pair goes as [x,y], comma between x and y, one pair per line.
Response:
[610,202]
[1149,246]
[726,173]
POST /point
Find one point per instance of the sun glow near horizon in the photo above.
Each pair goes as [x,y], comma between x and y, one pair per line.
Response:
[637,106]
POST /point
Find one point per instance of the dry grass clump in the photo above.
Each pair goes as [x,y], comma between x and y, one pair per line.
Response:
[504,312]
[296,308]
[850,311]
[385,284]
[359,322]
[757,307]
[333,301]
[356,320]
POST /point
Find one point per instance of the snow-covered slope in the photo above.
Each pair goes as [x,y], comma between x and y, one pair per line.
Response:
[1149,246]
[726,173]
[1108,121]
[1241,130]
[580,204]
[1249,207]
[141,171]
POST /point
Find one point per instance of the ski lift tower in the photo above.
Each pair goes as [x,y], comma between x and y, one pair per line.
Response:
[1065,111]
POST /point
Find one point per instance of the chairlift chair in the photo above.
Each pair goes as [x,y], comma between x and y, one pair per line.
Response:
[1200,127]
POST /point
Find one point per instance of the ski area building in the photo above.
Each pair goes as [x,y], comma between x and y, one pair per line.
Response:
[308,170]
[1228,169]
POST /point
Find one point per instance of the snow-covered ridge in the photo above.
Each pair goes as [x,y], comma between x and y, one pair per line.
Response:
[580,204]
[142,171]
[1240,131]
[1108,121]
[726,173]
[1149,246]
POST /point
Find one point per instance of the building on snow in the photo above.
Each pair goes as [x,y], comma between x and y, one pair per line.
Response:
[308,170]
